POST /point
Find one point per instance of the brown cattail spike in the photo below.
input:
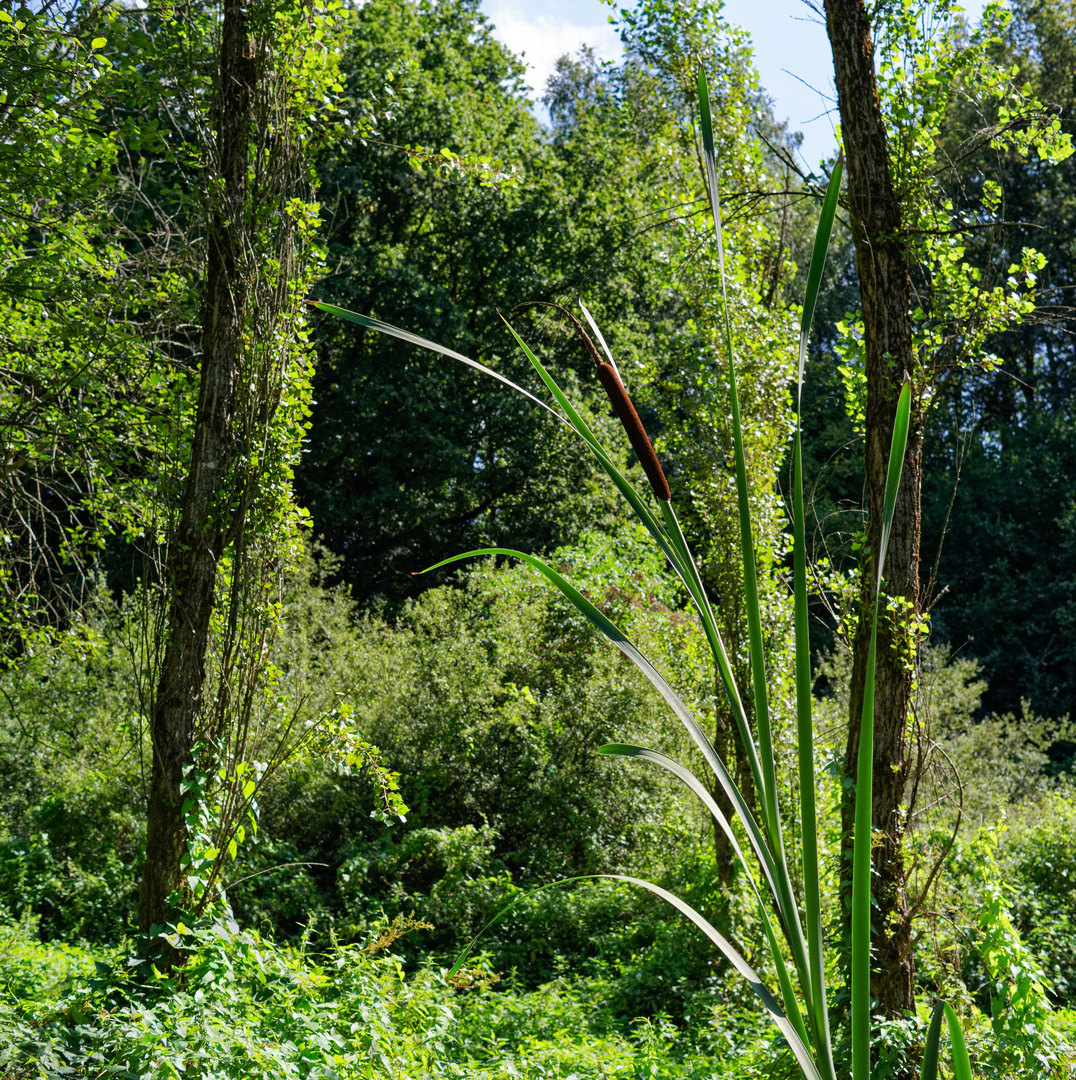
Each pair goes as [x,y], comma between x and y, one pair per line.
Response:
[636,432]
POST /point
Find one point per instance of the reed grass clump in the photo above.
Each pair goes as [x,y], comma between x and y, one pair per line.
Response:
[791,919]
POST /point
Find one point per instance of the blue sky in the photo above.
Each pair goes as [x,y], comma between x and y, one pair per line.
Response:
[791,51]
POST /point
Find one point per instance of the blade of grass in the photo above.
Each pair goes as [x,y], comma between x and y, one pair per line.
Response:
[812,902]
[691,781]
[768,793]
[861,862]
[425,343]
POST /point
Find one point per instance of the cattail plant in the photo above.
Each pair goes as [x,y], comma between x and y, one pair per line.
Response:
[792,923]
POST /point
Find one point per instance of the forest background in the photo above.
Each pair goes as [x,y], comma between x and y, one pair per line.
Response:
[394,167]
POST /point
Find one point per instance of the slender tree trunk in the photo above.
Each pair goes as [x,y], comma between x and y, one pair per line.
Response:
[203,526]
[886,298]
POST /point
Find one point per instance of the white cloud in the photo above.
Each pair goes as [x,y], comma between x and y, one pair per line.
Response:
[542,37]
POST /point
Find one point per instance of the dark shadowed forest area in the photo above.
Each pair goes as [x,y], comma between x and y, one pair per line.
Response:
[287,791]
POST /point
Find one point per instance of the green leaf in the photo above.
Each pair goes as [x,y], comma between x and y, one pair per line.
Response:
[861,860]
[818,265]
[812,903]
[795,1043]
[961,1061]
[688,778]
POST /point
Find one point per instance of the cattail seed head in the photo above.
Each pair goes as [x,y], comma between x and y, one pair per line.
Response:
[636,432]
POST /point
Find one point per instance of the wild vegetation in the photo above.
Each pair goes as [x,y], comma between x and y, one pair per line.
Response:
[263,785]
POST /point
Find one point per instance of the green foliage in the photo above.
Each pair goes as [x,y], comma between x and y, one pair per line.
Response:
[35,970]
[80,393]
[1041,857]
[396,475]
[70,749]
[244,1009]
[1001,971]
[1017,996]
[1007,559]
[1004,762]
[487,701]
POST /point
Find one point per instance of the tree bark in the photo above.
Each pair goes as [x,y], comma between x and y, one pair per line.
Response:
[886,299]
[202,532]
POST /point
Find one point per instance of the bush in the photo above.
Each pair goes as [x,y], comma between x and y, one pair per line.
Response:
[240,1008]
[1040,856]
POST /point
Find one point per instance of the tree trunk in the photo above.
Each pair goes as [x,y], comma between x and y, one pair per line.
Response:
[886,298]
[203,526]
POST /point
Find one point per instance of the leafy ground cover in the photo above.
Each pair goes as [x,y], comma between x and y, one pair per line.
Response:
[594,980]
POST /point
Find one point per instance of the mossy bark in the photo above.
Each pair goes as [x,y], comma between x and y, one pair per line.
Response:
[886,299]
[202,533]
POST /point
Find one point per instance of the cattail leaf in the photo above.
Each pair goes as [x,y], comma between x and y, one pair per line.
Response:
[812,902]
[425,343]
[812,894]
[787,1028]
[929,1070]
[961,1061]
[818,265]
[901,426]
[767,790]
[795,1041]
[717,645]
[709,157]
[688,778]
[861,858]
